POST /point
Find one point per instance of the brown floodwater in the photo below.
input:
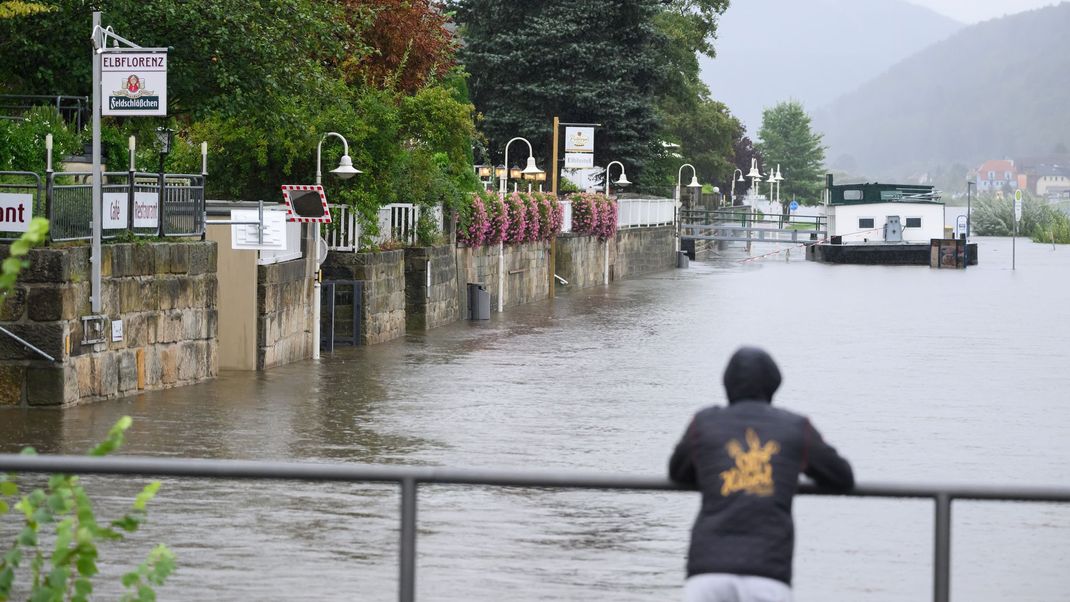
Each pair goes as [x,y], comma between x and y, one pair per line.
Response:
[916,375]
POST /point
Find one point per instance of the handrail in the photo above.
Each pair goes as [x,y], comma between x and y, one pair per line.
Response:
[409,477]
[27,344]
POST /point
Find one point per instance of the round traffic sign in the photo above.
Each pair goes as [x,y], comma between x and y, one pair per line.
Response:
[793,206]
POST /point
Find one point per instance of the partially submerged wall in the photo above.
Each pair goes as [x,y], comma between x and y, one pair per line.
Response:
[431,288]
[283,313]
[164,294]
[383,274]
[581,259]
[526,274]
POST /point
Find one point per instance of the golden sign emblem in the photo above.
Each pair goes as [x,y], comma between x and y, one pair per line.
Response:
[753,472]
[580,140]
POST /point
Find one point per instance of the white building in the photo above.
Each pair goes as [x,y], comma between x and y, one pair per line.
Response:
[884,213]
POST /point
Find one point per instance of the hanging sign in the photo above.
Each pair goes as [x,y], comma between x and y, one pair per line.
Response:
[579,147]
[306,204]
[15,212]
[133,83]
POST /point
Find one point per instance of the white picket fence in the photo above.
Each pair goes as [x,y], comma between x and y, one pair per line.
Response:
[632,213]
[397,222]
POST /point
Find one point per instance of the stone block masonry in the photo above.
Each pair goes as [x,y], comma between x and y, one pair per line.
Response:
[283,314]
[581,259]
[163,292]
[383,306]
[431,288]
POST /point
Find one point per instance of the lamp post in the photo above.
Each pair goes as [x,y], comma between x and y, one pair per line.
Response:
[966,250]
[677,194]
[622,181]
[754,175]
[734,180]
[530,169]
[779,179]
[164,140]
[345,170]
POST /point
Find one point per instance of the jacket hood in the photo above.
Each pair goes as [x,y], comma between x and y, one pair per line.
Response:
[751,375]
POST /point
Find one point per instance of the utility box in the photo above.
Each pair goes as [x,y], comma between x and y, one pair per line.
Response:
[682,260]
[893,230]
[478,301]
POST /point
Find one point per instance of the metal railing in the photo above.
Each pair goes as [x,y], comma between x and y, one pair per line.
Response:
[636,213]
[397,222]
[21,183]
[73,109]
[180,209]
[410,477]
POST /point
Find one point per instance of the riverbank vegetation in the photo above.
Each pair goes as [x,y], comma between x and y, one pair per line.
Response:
[993,215]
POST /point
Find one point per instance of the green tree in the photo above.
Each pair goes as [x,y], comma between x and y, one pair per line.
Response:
[595,61]
[786,138]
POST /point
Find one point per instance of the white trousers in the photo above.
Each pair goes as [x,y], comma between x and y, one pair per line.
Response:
[723,587]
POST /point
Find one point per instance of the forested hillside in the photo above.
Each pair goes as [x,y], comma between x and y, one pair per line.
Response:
[997,89]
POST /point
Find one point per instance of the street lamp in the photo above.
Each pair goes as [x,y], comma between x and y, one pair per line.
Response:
[779,179]
[530,169]
[679,181]
[345,170]
[771,181]
[623,181]
[734,180]
[754,175]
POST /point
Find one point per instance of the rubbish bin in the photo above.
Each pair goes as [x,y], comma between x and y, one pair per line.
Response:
[682,261]
[478,301]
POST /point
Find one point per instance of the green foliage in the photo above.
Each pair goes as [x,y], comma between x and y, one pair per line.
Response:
[612,74]
[993,215]
[230,56]
[787,139]
[22,143]
[35,234]
[10,9]
[63,513]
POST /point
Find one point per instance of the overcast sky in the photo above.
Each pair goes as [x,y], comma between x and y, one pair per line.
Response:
[973,11]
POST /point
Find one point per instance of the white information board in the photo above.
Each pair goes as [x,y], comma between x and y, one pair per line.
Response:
[146,210]
[16,211]
[133,83]
[245,237]
[115,211]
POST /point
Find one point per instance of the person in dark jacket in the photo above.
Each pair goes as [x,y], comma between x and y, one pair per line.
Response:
[746,459]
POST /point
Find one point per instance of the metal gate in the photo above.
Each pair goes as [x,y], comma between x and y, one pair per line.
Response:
[342,301]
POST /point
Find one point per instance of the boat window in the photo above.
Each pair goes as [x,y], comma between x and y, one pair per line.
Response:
[852,195]
[865,223]
[913,222]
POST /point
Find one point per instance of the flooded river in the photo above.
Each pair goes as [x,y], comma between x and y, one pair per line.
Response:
[916,375]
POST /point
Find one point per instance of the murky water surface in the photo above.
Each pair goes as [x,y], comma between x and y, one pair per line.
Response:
[917,375]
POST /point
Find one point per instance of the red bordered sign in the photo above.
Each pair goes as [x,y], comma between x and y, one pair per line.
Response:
[306,204]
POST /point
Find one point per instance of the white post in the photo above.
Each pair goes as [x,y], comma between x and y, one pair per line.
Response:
[95,256]
[48,155]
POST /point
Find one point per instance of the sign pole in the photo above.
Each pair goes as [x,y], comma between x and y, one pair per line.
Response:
[553,161]
[95,257]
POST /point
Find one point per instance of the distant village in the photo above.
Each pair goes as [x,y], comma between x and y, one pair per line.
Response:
[1043,177]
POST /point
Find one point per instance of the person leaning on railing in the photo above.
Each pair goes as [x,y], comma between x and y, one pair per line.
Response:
[746,459]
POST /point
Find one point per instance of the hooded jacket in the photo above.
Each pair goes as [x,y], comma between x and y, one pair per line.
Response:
[746,460]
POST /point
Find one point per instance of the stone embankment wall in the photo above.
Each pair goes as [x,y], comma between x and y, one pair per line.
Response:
[581,259]
[283,314]
[526,273]
[383,305]
[164,294]
[431,288]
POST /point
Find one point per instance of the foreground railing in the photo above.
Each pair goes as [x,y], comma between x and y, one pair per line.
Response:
[410,477]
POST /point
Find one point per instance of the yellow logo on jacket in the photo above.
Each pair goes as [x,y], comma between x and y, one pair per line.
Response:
[753,473]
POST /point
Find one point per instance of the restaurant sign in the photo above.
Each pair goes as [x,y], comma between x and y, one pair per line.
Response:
[134,83]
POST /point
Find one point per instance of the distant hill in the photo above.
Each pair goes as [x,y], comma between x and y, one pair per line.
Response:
[997,89]
[811,50]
